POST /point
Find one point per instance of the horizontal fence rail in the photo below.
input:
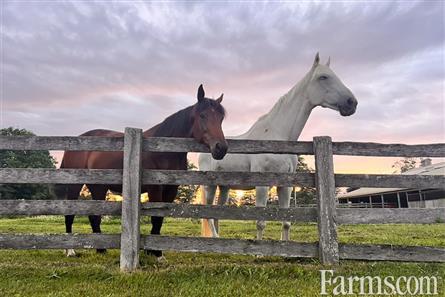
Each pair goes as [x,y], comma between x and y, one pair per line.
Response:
[59,241]
[388,149]
[171,243]
[298,214]
[293,249]
[62,143]
[231,246]
[391,253]
[303,214]
[163,144]
[59,207]
[60,176]
[153,144]
[389,181]
[183,177]
[391,215]
[239,146]
[225,246]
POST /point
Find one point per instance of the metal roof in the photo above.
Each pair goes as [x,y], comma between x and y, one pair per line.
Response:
[433,169]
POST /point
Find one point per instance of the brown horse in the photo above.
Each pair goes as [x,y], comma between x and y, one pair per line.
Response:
[201,121]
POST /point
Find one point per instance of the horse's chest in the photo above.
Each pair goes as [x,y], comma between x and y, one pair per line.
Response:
[272,163]
[233,162]
[168,161]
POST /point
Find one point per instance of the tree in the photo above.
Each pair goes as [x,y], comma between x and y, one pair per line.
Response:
[404,165]
[305,195]
[24,159]
[186,193]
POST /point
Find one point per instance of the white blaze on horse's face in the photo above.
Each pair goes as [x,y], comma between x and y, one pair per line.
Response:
[326,89]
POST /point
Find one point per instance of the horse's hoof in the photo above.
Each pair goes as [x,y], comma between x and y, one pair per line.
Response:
[161,259]
[101,251]
[155,253]
[259,256]
[70,253]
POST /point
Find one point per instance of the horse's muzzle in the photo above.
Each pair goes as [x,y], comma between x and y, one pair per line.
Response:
[349,107]
[219,150]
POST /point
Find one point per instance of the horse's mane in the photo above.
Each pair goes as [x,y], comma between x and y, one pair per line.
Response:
[275,108]
[175,125]
[283,101]
[179,124]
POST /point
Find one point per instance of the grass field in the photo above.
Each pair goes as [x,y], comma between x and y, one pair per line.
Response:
[50,273]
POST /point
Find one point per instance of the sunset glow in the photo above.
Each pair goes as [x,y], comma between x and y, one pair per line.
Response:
[239,194]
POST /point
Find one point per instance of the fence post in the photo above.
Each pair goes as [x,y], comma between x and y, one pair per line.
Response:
[326,205]
[131,192]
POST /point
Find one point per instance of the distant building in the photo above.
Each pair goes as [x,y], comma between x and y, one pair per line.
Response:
[399,197]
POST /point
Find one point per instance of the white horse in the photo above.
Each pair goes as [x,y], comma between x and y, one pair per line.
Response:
[285,121]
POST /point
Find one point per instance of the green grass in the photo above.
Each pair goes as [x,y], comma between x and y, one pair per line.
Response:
[50,273]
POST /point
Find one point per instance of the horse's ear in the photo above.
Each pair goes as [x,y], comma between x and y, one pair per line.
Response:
[317,60]
[219,100]
[201,93]
[328,63]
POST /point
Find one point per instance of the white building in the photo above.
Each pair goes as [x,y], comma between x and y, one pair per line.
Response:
[399,197]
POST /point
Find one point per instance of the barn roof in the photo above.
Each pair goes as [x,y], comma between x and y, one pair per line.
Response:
[433,169]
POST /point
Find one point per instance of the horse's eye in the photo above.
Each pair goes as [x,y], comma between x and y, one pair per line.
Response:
[202,115]
[323,77]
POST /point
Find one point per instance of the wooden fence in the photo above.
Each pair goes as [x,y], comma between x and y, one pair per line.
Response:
[132,176]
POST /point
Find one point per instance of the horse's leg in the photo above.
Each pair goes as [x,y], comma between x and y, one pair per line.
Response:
[71,192]
[156,225]
[208,225]
[98,192]
[155,195]
[223,197]
[284,201]
[169,193]
[261,200]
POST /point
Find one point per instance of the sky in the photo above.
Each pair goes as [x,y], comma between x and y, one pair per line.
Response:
[71,66]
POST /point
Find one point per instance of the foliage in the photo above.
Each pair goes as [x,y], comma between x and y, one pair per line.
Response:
[187,193]
[405,164]
[302,165]
[24,159]
[305,195]
[241,197]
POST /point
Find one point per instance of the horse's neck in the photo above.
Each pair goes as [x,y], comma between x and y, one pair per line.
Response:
[286,119]
[176,125]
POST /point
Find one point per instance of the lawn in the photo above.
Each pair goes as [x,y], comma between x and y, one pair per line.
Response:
[50,273]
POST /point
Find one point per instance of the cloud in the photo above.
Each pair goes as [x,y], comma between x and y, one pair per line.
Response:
[75,66]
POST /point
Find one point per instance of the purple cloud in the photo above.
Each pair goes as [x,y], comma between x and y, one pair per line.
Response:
[74,66]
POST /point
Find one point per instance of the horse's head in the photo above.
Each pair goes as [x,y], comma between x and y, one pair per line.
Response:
[327,90]
[207,117]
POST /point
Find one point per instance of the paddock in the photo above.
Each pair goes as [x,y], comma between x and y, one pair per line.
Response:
[326,214]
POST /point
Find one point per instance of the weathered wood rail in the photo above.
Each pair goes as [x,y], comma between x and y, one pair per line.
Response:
[155,144]
[220,245]
[299,214]
[180,177]
[130,241]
